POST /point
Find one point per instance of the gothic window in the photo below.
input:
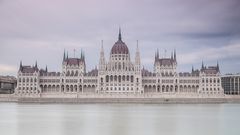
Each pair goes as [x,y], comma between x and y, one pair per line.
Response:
[119,66]
[123,78]
[131,78]
[111,78]
[107,78]
[119,78]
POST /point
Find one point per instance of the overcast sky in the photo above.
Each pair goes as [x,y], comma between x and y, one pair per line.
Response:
[199,30]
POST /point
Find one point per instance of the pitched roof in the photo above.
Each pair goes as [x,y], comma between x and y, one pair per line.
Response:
[74,61]
[166,61]
[28,69]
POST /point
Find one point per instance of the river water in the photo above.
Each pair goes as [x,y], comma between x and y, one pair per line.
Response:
[119,119]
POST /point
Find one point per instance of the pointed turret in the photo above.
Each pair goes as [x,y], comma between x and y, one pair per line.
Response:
[64,55]
[36,66]
[81,54]
[46,69]
[137,56]
[202,65]
[20,67]
[102,57]
[119,35]
[192,69]
[218,67]
[175,57]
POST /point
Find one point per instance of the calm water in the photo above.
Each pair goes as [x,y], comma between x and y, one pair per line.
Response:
[119,119]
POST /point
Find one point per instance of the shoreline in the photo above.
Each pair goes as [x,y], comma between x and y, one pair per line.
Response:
[123,99]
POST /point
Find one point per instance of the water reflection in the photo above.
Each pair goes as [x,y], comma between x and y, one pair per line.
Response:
[119,119]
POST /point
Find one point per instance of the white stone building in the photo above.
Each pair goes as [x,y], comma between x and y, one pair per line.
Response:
[119,75]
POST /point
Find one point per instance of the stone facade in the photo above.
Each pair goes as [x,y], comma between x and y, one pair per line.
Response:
[119,75]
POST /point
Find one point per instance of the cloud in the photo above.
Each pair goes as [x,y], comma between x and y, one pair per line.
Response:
[211,54]
[41,30]
[7,69]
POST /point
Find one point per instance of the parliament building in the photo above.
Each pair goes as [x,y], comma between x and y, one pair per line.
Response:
[118,75]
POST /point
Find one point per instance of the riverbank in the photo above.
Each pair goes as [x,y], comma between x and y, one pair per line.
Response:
[141,99]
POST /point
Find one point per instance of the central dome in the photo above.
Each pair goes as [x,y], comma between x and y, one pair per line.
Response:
[119,47]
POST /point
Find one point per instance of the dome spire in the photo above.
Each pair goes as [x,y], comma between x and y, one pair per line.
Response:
[120,35]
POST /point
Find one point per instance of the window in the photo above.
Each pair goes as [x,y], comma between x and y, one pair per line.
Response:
[131,78]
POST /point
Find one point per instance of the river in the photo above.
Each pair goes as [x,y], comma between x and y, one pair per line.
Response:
[119,119]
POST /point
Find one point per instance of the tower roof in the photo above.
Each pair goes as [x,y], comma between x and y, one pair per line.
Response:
[119,47]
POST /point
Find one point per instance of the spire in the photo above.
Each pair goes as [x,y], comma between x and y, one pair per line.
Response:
[20,67]
[192,69]
[81,54]
[36,64]
[217,66]
[46,69]
[175,58]
[102,50]
[64,56]
[137,47]
[20,64]
[137,56]
[119,35]
[202,65]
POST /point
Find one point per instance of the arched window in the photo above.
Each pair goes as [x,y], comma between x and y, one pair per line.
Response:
[127,78]
[111,78]
[119,66]
[123,78]
[131,78]
[107,78]
[119,78]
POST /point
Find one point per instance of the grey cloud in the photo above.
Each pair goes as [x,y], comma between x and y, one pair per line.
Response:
[29,29]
